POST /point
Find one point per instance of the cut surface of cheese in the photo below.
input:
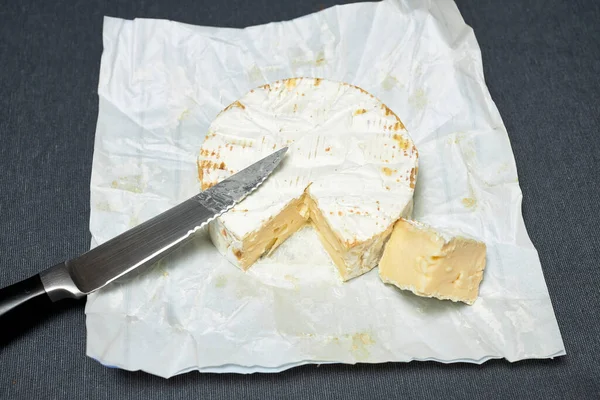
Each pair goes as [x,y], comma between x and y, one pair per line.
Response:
[350,171]
[432,263]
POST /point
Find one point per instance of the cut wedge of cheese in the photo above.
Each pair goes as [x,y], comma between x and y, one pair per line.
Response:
[432,263]
[350,171]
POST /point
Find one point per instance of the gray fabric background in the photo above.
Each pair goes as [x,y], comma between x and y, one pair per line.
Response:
[542,65]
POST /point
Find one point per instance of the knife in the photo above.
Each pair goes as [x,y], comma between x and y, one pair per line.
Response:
[142,245]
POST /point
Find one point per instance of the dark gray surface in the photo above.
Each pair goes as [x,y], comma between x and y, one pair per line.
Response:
[542,65]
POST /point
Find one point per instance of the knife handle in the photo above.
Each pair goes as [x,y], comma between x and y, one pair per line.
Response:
[29,302]
[24,296]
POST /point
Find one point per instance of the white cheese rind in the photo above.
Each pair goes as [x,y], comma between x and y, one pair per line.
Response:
[347,151]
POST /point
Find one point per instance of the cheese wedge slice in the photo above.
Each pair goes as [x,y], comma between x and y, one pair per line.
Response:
[431,263]
[350,171]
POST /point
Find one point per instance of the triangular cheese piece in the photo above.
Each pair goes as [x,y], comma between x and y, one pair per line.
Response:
[433,263]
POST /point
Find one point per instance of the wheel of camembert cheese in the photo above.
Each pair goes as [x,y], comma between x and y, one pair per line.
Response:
[350,171]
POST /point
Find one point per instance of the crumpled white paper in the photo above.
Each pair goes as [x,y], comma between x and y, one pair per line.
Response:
[162,83]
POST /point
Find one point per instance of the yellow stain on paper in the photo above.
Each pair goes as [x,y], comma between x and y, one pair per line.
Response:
[184,114]
[292,279]
[132,184]
[360,343]
[255,74]
[160,268]
[418,99]
[320,61]
[469,202]
[103,206]
[133,221]
[220,281]
[455,138]
[389,82]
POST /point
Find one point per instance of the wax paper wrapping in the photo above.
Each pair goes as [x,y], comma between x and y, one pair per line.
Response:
[162,83]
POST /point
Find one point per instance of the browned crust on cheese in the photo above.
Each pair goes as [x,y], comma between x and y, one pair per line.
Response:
[413,176]
[402,141]
[200,171]
[237,104]
[291,83]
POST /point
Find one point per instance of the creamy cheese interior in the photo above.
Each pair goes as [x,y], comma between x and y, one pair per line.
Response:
[334,246]
[273,233]
[431,264]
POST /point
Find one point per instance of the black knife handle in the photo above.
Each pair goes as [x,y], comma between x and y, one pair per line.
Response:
[25,296]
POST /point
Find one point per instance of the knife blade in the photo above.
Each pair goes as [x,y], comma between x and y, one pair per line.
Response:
[142,245]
